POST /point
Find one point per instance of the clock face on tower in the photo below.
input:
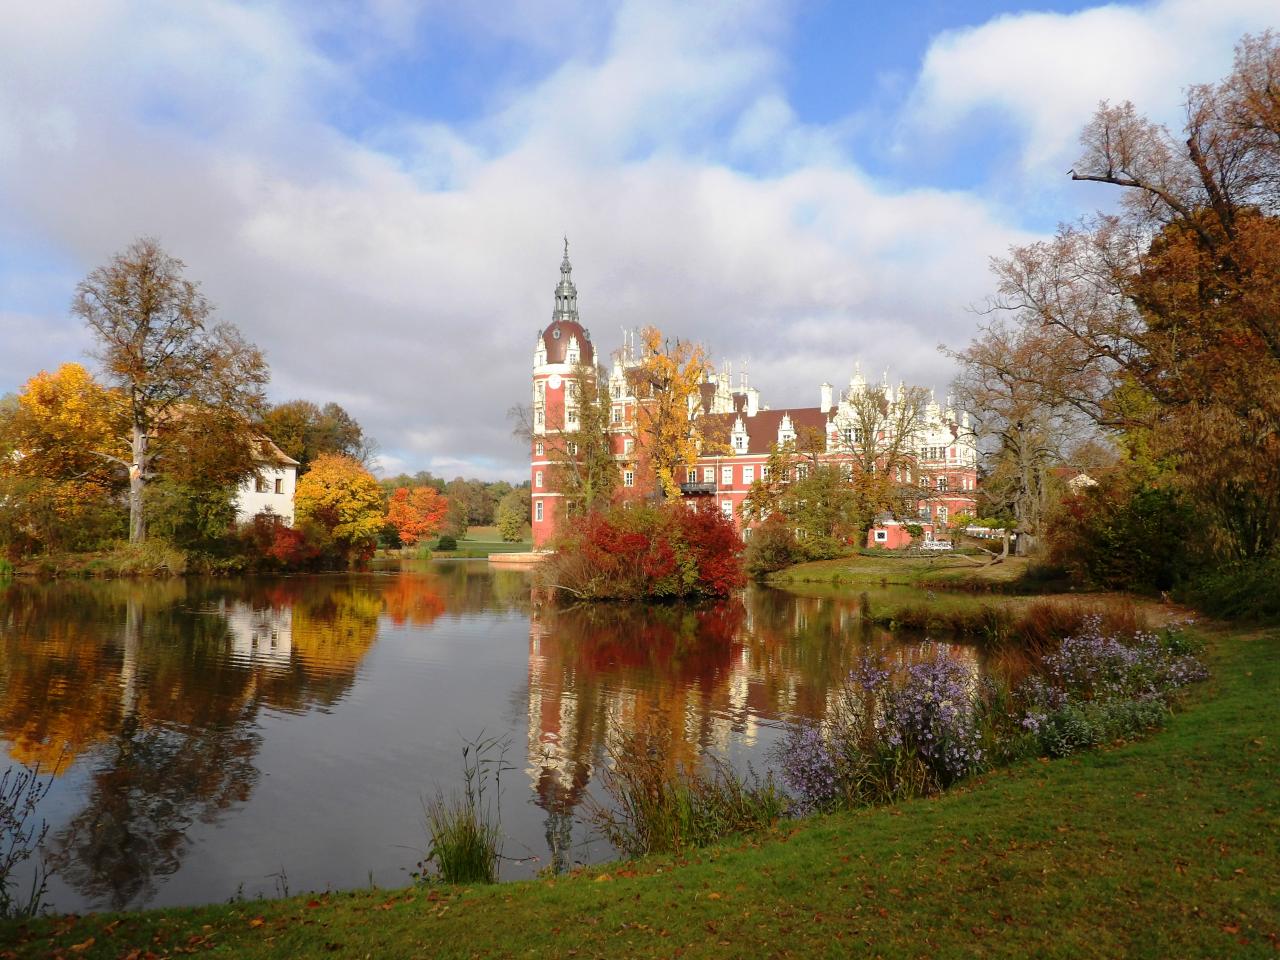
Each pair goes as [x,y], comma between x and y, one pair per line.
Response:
[553,381]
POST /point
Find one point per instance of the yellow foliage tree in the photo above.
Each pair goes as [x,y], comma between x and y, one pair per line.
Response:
[342,498]
[667,384]
[64,425]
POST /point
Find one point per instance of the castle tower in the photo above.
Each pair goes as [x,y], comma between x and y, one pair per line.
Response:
[560,350]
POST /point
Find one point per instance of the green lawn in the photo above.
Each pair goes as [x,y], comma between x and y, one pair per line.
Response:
[898,568]
[1165,848]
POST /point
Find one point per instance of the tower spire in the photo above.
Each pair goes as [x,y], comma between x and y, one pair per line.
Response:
[566,293]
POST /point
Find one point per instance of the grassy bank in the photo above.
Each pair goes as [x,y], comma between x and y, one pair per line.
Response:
[892,568]
[1168,847]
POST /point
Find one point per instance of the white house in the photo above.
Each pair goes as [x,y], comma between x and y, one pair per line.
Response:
[271,488]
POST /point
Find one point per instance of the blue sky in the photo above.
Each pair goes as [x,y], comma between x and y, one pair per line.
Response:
[375,192]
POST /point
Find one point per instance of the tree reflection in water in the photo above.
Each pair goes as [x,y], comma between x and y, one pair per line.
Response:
[163,709]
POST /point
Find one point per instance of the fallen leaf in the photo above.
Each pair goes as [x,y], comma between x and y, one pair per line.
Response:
[81,947]
[603,878]
[257,921]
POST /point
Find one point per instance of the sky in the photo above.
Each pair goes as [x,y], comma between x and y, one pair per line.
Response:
[376,192]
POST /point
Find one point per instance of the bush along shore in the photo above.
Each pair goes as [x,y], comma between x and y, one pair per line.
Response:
[1163,846]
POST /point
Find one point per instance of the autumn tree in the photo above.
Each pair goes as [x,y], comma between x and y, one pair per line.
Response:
[1166,314]
[666,383]
[182,376]
[879,429]
[342,500]
[1023,429]
[56,489]
[416,513]
[305,430]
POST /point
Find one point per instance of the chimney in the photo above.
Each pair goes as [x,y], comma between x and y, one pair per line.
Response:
[753,401]
[826,397]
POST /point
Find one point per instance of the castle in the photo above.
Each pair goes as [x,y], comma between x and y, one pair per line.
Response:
[943,456]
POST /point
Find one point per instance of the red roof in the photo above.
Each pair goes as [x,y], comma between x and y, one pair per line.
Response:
[762,429]
[556,340]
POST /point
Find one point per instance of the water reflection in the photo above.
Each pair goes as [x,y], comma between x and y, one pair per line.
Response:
[163,699]
[715,676]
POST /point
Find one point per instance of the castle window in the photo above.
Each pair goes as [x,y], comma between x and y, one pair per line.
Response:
[537,510]
[628,478]
[616,415]
[573,356]
[749,474]
[764,473]
[571,417]
[538,448]
[628,445]
[726,507]
[740,442]
[708,474]
[572,448]
[726,476]
[942,483]
[537,417]
[802,471]
[537,479]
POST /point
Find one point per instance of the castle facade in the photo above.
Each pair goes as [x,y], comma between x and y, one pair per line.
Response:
[943,459]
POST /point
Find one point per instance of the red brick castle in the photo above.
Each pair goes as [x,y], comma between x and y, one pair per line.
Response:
[944,459]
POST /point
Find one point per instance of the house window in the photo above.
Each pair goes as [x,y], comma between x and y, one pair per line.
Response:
[279,485]
[537,478]
[749,474]
[708,474]
[628,478]
[259,485]
[882,536]
[726,507]
[538,448]
[537,510]
[726,476]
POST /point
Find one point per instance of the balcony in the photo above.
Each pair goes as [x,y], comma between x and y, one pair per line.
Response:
[697,489]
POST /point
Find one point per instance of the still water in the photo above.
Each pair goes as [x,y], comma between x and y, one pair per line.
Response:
[251,736]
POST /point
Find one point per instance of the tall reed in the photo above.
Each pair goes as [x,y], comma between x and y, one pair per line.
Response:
[466,829]
[661,807]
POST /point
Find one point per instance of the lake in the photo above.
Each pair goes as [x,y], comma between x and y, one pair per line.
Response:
[256,736]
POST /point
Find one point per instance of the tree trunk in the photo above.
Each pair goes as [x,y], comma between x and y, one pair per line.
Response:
[137,481]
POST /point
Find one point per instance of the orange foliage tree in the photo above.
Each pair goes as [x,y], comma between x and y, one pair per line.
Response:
[416,514]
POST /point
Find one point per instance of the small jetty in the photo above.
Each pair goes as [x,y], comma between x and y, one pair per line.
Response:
[518,559]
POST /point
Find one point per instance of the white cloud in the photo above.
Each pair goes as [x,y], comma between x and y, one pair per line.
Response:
[1048,71]
[404,273]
